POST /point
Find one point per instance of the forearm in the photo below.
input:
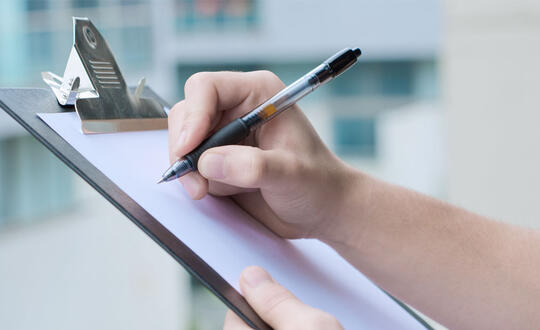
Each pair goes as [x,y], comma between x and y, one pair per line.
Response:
[461,269]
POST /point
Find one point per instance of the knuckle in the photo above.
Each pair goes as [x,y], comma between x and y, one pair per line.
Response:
[197,79]
[291,166]
[275,301]
[270,80]
[176,110]
[184,115]
[268,75]
[294,165]
[199,120]
[256,169]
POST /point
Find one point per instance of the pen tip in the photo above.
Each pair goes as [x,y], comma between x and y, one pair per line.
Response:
[161,180]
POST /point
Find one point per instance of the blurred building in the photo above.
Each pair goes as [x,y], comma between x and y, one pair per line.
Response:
[383,116]
[353,114]
[491,79]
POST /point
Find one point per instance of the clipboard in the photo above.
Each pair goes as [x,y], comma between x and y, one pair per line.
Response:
[24,104]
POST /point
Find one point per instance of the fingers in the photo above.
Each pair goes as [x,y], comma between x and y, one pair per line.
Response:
[247,167]
[222,189]
[274,304]
[211,97]
[233,322]
[279,307]
[195,185]
[207,96]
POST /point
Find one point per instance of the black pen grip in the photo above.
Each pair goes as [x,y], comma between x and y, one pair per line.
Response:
[233,133]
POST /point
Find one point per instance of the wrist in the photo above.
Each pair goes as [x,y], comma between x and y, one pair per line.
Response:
[346,222]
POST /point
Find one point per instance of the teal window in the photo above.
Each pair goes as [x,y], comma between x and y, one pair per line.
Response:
[355,136]
[131,2]
[397,78]
[386,79]
[84,3]
[36,5]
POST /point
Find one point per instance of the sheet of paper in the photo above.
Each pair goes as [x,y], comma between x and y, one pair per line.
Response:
[227,238]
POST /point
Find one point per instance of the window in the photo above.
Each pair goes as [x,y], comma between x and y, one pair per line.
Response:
[355,136]
[386,79]
[214,14]
[131,2]
[84,3]
[36,5]
[397,78]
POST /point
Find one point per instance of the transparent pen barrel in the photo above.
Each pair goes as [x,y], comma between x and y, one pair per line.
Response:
[281,101]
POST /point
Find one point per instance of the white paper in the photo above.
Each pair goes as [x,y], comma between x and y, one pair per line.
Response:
[227,238]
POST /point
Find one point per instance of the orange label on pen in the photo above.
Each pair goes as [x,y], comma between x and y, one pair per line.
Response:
[268,111]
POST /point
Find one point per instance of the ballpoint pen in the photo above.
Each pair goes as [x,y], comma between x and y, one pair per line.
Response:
[239,129]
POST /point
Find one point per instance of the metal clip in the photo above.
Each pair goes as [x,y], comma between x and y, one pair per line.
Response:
[93,83]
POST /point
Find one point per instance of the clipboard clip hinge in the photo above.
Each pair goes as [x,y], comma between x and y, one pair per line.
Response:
[94,85]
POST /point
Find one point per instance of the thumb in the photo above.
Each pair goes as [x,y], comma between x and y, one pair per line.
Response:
[246,167]
[273,303]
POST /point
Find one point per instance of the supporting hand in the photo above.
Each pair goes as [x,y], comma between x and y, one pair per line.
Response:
[277,306]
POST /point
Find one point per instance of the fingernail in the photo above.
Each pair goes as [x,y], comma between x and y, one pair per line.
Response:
[255,276]
[211,166]
[191,185]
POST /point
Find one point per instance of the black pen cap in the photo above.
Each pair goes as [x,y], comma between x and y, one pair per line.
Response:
[343,60]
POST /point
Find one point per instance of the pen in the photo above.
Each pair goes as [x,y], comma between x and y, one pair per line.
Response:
[239,129]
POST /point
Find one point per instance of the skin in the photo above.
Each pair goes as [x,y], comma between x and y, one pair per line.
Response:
[461,269]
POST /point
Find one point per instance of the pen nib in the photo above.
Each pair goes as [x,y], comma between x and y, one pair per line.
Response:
[161,180]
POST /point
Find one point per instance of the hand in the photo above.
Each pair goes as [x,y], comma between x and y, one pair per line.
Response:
[283,175]
[276,305]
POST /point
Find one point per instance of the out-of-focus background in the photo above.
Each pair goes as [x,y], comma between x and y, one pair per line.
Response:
[445,100]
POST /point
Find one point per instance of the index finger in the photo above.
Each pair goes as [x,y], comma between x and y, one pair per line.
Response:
[206,95]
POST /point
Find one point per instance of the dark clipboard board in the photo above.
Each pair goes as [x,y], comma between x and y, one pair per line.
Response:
[24,103]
